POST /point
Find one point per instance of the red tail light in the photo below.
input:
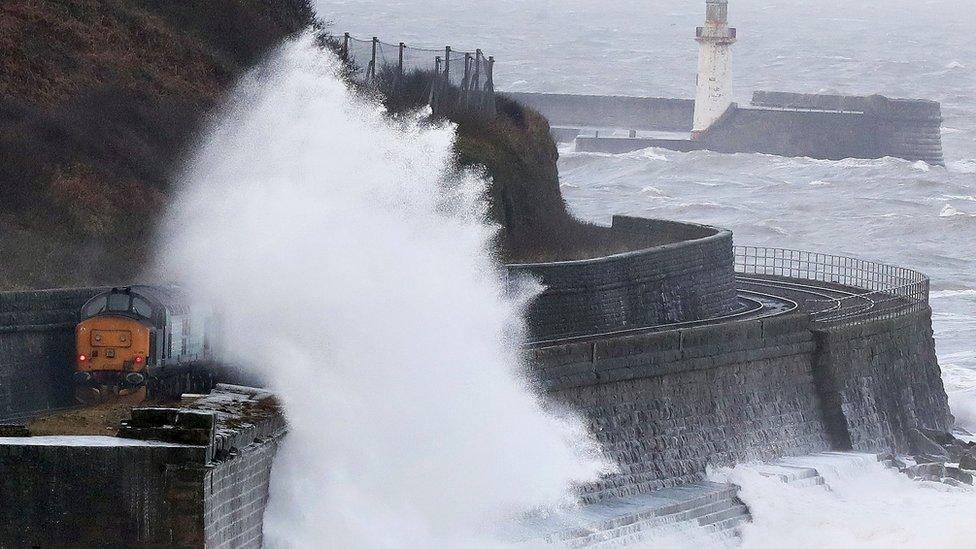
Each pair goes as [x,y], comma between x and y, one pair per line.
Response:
[138,360]
[82,358]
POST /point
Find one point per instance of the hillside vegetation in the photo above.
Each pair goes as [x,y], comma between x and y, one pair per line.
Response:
[98,101]
[101,99]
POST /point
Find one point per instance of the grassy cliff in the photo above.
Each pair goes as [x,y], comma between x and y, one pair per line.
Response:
[101,99]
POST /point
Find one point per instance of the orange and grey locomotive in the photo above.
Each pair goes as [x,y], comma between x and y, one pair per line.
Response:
[142,339]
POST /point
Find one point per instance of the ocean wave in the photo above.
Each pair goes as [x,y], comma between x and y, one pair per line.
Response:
[650,189]
[955,65]
[937,294]
[962,166]
[949,211]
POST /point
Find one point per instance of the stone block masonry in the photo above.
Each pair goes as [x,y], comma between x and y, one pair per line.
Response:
[880,380]
[37,349]
[665,405]
[690,279]
[191,476]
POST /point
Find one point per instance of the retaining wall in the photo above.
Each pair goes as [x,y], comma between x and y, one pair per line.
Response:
[196,476]
[37,348]
[882,379]
[665,405]
[690,279]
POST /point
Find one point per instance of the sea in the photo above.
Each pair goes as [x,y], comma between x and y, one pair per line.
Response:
[890,210]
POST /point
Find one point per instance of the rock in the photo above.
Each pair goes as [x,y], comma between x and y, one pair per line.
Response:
[953,482]
[922,444]
[967,461]
[959,475]
[925,471]
[926,458]
[939,437]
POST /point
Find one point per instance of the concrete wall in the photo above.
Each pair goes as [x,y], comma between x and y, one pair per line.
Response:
[788,124]
[37,348]
[195,476]
[882,379]
[816,134]
[873,126]
[632,113]
[688,280]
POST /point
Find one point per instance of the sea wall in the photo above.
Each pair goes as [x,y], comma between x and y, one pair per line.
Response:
[815,134]
[193,476]
[832,127]
[602,111]
[881,380]
[37,348]
[690,279]
[666,405]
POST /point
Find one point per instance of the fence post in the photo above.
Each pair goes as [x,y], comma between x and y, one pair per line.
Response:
[447,66]
[345,47]
[478,57]
[372,64]
[400,65]
[434,91]
[490,87]
[466,82]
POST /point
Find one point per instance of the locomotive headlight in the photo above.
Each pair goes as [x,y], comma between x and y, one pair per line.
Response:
[82,358]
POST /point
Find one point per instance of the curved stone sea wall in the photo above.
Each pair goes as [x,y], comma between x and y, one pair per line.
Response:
[665,405]
[691,279]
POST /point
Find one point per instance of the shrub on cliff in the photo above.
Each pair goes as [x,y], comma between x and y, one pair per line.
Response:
[98,101]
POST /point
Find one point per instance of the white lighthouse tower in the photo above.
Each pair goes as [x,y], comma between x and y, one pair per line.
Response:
[715,39]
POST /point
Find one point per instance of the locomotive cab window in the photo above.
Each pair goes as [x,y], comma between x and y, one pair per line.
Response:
[95,307]
[141,307]
[118,303]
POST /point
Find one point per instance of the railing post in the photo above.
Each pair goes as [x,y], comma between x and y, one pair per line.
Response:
[345,47]
[372,64]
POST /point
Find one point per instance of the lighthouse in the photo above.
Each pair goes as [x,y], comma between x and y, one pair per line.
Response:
[715,39]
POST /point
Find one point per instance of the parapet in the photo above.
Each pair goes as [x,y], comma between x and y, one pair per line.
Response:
[689,276]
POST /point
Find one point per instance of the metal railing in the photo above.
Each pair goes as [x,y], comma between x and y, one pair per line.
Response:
[854,290]
[454,82]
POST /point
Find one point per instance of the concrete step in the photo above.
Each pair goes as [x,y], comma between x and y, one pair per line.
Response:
[733,511]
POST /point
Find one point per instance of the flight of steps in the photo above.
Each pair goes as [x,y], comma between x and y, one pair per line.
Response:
[700,514]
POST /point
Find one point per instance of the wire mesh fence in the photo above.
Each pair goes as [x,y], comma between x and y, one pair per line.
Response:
[856,290]
[451,82]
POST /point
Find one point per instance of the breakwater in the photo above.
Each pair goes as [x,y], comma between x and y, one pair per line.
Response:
[831,127]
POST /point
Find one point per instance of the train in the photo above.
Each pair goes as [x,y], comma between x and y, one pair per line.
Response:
[143,342]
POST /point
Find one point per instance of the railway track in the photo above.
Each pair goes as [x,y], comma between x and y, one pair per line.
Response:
[758,298]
